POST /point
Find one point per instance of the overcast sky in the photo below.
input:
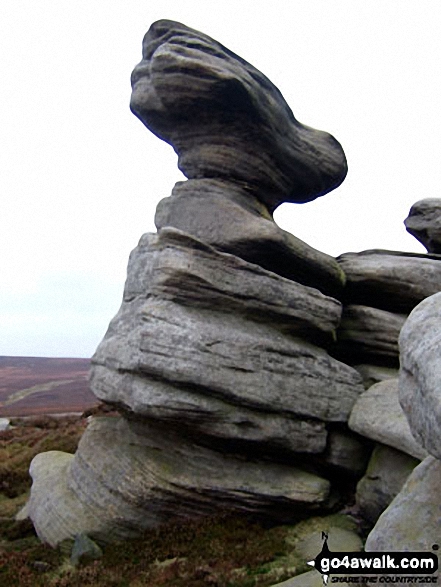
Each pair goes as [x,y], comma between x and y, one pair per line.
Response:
[81,176]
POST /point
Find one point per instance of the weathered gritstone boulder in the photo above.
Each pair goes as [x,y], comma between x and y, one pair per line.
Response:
[217,359]
[377,414]
[200,340]
[412,522]
[226,216]
[129,476]
[386,474]
[420,373]
[424,223]
[390,280]
[369,334]
[226,120]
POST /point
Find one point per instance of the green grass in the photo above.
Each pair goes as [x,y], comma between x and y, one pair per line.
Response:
[222,551]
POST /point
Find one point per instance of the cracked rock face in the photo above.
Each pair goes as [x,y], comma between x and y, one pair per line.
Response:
[226,120]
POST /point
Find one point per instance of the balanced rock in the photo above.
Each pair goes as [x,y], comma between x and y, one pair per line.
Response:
[390,280]
[377,415]
[424,223]
[226,120]
[218,357]
[420,373]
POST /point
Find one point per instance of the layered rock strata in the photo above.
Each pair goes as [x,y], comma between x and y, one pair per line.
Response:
[226,120]
[382,287]
[217,358]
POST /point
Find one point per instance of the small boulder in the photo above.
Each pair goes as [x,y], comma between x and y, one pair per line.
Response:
[412,522]
[84,550]
[424,223]
[386,474]
[377,414]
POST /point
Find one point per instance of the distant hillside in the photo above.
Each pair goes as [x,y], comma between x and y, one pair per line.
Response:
[39,385]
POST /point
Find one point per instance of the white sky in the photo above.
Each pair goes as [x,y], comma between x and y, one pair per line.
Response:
[81,176]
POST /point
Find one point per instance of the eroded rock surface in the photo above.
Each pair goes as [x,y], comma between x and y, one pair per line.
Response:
[412,521]
[218,357]
[226,120]
[420,373]
[385,476]
[369,334]
[424,223]
[129,476]
[226,216]
[378,415]
[390,280]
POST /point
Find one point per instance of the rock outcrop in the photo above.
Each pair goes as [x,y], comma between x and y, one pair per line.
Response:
[218,357]
[238,356]
[424,223]
[420,373]
[412,521]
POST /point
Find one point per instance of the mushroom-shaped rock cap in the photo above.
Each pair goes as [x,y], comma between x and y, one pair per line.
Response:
[424,223]
[226,120]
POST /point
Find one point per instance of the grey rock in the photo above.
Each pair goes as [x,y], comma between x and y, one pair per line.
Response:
[347,451]
[4,424]
[372,374]
[386,474]
[229,218]
[205,338]
[84,550]
[369,334]
[424,223]
[377,414]
[412,521]
[128,476]
[217,355]
[420,373]
[390,280]
[226,120]
[177,267]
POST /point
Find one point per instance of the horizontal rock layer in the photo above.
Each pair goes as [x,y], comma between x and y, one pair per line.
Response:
[369,334]
[389,280]
[230,219]
[160,355]
[126,477]
[226,120]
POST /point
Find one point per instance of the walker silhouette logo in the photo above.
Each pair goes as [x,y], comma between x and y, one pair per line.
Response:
[375,563]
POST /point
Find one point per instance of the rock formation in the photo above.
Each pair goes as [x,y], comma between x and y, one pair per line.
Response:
[238,356]
[218,357]
[413,519]
[424,223]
